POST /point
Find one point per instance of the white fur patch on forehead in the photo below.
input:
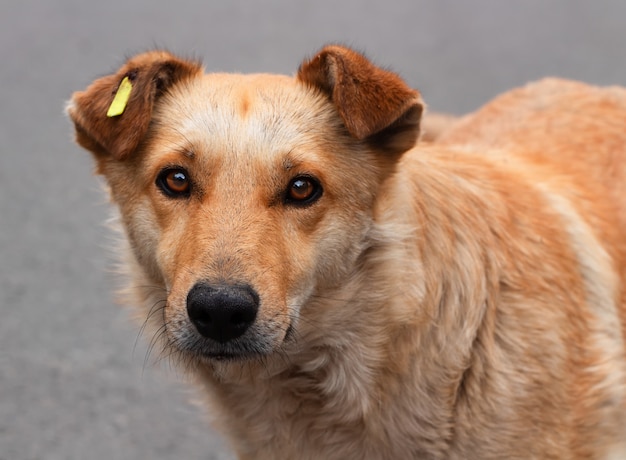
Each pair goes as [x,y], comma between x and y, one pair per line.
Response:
[244,113]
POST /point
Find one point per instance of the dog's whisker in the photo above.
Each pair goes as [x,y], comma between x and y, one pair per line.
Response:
[159,336]
[159,305]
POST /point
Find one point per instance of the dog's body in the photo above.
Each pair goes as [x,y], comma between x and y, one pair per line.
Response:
[340,298]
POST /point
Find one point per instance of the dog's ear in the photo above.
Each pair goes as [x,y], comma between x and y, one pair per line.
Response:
[375,104]
[116,128]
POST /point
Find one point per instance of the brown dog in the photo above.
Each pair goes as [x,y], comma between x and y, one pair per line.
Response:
[341,294]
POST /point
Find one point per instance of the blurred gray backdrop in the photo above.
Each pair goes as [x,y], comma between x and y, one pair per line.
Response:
[73,384]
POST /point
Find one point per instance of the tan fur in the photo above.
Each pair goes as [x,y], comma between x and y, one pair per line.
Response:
[461,299]
[435,125]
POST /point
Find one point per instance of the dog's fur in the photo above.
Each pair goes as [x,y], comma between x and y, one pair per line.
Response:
[461,299]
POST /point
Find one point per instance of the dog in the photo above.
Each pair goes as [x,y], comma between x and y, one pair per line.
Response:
[341,290]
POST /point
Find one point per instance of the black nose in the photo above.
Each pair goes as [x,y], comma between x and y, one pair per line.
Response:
[222,312]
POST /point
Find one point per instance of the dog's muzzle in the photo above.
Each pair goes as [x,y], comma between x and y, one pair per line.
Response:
[222,312]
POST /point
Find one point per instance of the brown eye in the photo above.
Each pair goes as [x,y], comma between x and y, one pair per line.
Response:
[174,182]
[303,190]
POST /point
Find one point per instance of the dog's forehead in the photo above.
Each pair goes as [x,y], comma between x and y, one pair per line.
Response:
[237,109]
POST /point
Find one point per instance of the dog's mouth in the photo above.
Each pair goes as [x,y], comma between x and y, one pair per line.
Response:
[227,356]
[252,346]
[232,352]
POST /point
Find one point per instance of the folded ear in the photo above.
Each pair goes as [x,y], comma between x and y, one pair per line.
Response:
[375,104]
[135,88]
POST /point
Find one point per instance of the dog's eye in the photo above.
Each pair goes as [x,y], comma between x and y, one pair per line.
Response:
[303,190]
[174,182]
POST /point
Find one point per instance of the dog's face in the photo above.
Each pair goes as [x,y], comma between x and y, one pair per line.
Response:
[245,196]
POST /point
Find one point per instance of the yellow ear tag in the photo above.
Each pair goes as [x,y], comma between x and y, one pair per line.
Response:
[121,98]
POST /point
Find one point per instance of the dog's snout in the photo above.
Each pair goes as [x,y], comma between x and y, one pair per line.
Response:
[222,312]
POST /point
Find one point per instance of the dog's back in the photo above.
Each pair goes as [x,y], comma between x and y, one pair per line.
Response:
[571,137]
[576,127]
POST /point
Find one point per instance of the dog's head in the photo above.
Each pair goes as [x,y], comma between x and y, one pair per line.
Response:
[245,196]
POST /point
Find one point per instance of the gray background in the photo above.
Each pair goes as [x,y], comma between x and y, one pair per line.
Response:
[73,384]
